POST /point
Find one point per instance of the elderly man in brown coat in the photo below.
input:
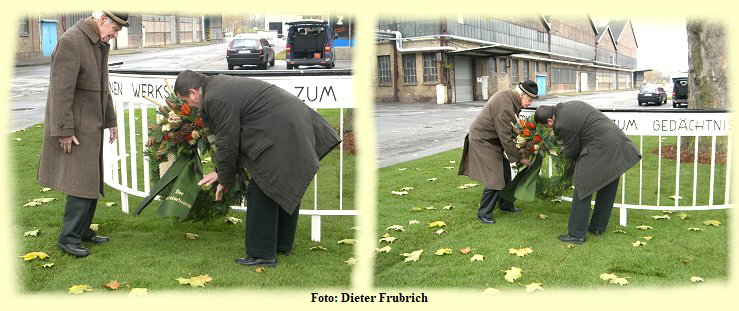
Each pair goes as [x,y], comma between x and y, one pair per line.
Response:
[78,107]
[491,133]
[276,137]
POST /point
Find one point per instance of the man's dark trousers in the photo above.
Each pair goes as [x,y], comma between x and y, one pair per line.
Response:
[580,210]
[269,228]
[78,215]
[490,197]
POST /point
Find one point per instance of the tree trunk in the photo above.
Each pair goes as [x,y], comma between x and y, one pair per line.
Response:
[707,76]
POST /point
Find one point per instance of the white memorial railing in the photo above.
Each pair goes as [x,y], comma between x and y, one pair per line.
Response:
[678,123]
[122,161]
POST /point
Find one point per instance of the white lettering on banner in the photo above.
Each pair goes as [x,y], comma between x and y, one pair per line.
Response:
[668,124]
[316,91]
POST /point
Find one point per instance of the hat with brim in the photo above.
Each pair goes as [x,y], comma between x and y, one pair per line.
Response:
[118,17]
[530,88]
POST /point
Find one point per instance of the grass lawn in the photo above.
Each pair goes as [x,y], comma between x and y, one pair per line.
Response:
[151,252]
[669,259]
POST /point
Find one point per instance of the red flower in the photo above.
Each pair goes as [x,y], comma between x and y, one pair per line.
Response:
[537,138]
[185,110]
[198,122]
[526,132]
[188,137]
[522,122]
[532,149]
[166,137]
[530,125]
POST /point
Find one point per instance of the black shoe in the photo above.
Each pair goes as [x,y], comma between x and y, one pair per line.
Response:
[76,250]
[571,239]
[286,253]
[512,210]
[254,261]
[98,239]
[595,232]
[487,221]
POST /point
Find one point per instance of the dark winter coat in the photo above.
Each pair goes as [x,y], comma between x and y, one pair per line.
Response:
[490,134]
[79,103]
[270,132]
[601,151]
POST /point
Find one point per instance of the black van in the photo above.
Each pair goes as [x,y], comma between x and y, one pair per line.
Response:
[679,92]
[309,43]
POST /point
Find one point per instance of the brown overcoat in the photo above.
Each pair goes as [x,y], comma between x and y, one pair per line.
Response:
[270,132]
[79,103]
[490,134]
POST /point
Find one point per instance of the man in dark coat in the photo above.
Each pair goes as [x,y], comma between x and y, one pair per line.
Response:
[491,133]
[79,106]
[276,137]
[601,153]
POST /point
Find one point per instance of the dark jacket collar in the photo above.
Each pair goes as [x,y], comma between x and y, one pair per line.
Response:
[89,28]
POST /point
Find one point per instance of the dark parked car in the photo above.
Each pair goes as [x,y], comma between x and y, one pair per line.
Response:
[309,43]
[679,92]
[652,94]
[250,51]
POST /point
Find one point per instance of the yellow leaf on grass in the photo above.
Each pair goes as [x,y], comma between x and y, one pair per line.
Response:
[31,233]
[413,222]
[448,207]
[233,220]
[570,245]
[354,228]
[402,168]
[448,167]
[648,238]
[430,207]
[465,250]
[668,212]
[463,187]
[533,287]
[317,248]
[191,236]
[387,238]
[619,281]
[443,251]
[619,232]
[395,227]
[351,261]
[347,241]
[695,229]
[471,185]
[44,200]
[437,223]
[139,292]
[385,249]
[79,289]
[675,197]
[196,281]
[644,227]
[490,291]
[33,255]
[110,204]
[682,216]
[48,265]
[417,209]
[260,270]
[639,243]
[712,223]
[607,276]
[696,279]
[542,216]
[413,256]
[520,252]
[432,179]
[406,188]
[95,227]
[512,274]
[440,231]
[113,285]
[17,138]
[45,189]
[183,281]
[399,192]
[665,216]
[32,204]
[477,257]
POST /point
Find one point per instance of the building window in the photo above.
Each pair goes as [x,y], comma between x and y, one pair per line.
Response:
[383,70]
[493,64]
[409,69]
[526,70]
[24,29]
[429,68]
[514,70]
[502,65]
